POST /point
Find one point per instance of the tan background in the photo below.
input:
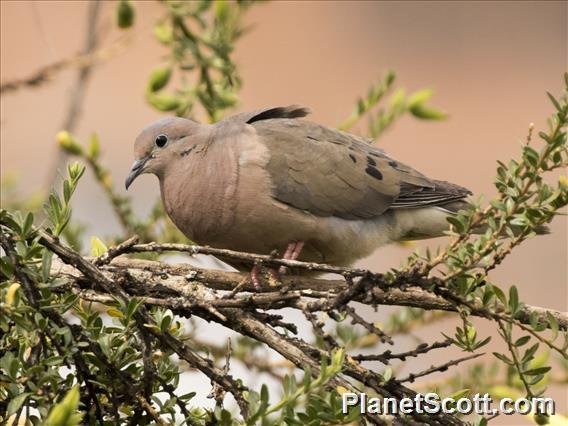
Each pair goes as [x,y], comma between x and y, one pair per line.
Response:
[489,63]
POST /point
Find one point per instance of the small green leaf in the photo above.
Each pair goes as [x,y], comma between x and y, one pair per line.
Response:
[125,14]
[65,412]
[159,78]
[98,248]
[427,113]
[537,371]
[163,101]
[69,143]
[513,300]
[554,101]
[500,295]
[28,222]
[16,402]
[94,147]
[163,32]
[113,312]
[419,98]
[553,322]
[503,358]
[522,341]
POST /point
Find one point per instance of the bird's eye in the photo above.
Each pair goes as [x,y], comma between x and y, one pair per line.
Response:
[161,141]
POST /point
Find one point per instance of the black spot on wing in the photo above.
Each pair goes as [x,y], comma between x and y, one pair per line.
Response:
[371,162]
[393,163]
[353,158]
[374,172]
[186,151]
[311,137]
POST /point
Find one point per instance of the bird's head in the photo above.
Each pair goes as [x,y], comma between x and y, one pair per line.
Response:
[158,144]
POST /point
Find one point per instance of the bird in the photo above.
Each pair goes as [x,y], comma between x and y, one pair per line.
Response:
[271,180]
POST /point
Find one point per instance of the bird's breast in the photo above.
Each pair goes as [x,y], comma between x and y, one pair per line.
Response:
[199,196]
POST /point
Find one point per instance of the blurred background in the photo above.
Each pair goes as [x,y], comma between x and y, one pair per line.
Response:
[489,64]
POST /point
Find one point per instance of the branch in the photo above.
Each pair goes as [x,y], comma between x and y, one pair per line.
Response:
[412,377]
[78,91]
[201,299]
[48,72]
[315,291]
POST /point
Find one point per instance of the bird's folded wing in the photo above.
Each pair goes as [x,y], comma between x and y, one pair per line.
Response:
[332,173]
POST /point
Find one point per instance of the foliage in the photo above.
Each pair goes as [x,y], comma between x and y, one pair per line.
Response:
[88,346]
[399,104]
[200,36]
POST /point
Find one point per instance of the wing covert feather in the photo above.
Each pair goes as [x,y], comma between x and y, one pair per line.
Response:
[332,173]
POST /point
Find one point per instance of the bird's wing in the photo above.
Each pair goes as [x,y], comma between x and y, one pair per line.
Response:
[332,173]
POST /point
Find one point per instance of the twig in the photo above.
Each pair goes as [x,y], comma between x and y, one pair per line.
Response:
[386,356]
[47,73]
[317,326]
[116,251]
[245,257]
[78,92]
[357,319]
[413,376]
[218,393]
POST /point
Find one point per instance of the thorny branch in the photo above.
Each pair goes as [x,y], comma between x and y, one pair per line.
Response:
[188,291]
[318,291]
[240,314]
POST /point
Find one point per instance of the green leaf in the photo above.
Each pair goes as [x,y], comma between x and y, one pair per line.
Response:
[462,393]
[28,222]
[537,371]
[529,353]
[522,341]
[163,101]
[513,300]
[159,78]
[46,265]
[554,102]
[503,358]
[16,402]
[98,248]
[68,143]
[553,322]
[94,147]
[419,98]
[387,374]
[65,412]
[163,32]
[500,295]
[427,113]
[125,14]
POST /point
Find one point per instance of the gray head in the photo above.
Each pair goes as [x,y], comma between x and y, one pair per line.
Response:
[158,144]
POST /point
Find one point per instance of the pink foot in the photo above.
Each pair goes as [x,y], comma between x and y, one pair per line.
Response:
[292,253]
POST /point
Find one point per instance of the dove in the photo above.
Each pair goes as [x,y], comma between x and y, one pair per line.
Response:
[271,180]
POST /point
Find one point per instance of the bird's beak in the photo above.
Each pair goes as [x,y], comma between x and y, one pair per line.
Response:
[137,169]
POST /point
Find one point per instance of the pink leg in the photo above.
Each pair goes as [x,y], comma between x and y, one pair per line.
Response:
[289,250]
[292,253]
[297,250]
[254,276]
